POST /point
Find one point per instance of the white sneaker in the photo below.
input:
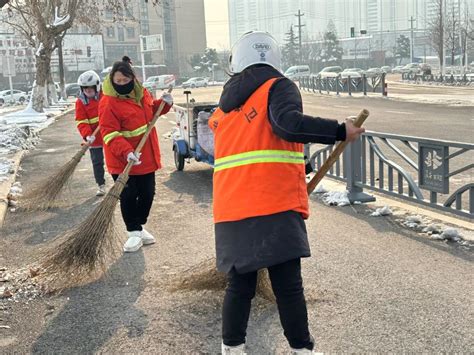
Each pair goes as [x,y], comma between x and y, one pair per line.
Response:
[304,352]
[134,242]
[233,350]
[147,238]
[100,191]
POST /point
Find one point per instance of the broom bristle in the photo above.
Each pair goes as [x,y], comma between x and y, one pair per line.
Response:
[87,248]
[44,195]
[204,276]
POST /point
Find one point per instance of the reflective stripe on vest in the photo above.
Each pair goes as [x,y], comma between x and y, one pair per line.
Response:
[259,156]
[127,134]
[92,120]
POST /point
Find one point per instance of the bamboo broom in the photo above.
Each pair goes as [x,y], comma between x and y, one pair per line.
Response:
[206,275]
[43,196]
[316,179]
[88,247]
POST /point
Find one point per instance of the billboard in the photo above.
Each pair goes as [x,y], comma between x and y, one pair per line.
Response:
[81,52]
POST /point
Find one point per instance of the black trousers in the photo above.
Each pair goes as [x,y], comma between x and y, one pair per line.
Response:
[136,200]
[287,286]
[97,157]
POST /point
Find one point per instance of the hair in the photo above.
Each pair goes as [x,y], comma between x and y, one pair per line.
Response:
[123,67]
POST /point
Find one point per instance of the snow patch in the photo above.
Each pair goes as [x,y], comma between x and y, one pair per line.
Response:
[451,234]
[6,168]
[59,21]
[336,198]
[382,211]
[320,189]
[40,49]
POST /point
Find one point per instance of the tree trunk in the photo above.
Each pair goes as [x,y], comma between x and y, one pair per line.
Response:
[39,95]
[52,93]
[59,44]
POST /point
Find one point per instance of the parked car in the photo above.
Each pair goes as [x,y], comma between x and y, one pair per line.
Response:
[195,83]
[72,89]
[18,96]
[411,68]
[350,72]
[296,72]
[330,72]
[397,69]
[159,82]
[359,70]
[370,73]
[386,69]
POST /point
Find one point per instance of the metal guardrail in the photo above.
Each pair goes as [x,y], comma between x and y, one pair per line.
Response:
[404,166]
[348,85]
[448,79]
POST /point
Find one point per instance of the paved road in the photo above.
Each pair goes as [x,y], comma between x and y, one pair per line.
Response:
[372,287]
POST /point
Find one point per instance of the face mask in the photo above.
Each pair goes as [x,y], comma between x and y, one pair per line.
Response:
[124,89]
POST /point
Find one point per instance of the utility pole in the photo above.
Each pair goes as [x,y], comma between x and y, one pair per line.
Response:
[299,15]
[411,39]
[443,34]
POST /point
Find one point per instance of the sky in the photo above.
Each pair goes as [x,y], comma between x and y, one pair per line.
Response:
[217,25]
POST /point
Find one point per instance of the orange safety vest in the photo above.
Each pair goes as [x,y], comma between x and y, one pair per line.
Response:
[256,173]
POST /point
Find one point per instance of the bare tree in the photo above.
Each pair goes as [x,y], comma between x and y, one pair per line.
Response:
[452,27]
[437,29]
[42,22]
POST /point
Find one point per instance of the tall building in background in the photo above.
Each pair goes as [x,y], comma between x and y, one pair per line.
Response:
[374,16]
[190,30]
[276,17]
[180,22]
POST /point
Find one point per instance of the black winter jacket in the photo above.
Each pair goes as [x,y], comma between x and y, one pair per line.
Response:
[264,241]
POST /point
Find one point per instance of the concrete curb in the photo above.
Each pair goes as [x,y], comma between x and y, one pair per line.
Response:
[6,185]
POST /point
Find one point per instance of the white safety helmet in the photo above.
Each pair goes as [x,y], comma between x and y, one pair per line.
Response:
[89,78]
[254,47]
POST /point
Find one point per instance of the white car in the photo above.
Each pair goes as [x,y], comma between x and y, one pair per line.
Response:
[18,96]
[195,83]
[349,73]
[330,72]
[373,72]
[296,72]
[159,82]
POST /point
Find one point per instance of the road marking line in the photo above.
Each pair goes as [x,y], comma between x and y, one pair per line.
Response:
[400,112]
[341,106]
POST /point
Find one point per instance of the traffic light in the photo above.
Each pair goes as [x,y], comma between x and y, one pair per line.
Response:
[88,51]
[352,32]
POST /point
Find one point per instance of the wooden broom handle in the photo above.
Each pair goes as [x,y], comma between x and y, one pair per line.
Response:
[142,142]
[316,179]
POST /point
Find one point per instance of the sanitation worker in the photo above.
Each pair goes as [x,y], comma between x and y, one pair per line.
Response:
[87,120]
[125,110]
[260,200]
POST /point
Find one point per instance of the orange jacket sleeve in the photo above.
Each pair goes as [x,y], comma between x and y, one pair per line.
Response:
[110,128]
[156,105]
[83,128]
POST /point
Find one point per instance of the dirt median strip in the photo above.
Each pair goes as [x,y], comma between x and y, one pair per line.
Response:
[17,157]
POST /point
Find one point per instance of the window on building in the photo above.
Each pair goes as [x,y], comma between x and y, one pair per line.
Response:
[130,32]
[109,14]
[110,32]
[121,34]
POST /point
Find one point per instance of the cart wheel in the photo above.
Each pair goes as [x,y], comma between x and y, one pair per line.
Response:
[178,159]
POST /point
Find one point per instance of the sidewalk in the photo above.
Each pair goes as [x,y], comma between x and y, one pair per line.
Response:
[371,285]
